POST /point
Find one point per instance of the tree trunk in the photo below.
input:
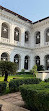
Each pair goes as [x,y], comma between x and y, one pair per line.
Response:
[6,76]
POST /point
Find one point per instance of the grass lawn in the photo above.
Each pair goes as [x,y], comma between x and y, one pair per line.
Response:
[16,76]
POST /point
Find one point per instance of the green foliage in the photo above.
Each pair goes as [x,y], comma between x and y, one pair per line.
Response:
[2,87]
[46,80]
[31,71]
[36,96]
[7,67]
[23,71]
[34,70]
[14,84]
[40,68]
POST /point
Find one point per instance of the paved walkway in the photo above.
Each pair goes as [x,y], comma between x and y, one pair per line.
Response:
[12,102]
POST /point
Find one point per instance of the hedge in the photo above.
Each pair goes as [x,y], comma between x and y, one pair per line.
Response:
[36,96]
[14,84]
[46,80]
[2,87]
[19,73]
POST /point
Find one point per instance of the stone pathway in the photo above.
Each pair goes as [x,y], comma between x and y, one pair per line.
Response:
[12,102]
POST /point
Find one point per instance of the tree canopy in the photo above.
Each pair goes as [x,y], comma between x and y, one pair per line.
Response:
[7,67]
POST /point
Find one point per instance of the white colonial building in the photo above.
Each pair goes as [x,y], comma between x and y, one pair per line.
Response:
[23,41]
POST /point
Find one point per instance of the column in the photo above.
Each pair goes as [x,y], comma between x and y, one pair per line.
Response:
[0,29]
[32,61]
[42,59]
[32,40]
[12,34]
[12,56]
[22,37]
[42,38]
[22,61]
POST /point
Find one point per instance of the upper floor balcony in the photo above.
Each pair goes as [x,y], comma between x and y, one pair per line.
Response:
[11,36]
[17,43]
[37,45]
[5,40]
[46,43]
[22,38]
[27,45]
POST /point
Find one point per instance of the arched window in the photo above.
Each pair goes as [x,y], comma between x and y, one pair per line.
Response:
[47,35]
[37,60]
[17,60]
[37,37]
[47,62]
[26,36]
[16,34]
[26,62]
[4,30]
[4,56]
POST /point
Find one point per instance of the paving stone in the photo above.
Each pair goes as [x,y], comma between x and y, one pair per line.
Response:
[12,102]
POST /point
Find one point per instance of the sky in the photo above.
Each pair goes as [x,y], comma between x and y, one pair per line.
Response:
[32,9]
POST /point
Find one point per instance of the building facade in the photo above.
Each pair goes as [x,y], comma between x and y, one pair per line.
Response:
[22,41]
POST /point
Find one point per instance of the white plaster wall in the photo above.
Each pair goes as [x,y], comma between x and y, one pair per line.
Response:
[24,49]
[42,76]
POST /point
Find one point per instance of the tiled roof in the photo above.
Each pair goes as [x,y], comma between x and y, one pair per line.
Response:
[41,20]
[21,17]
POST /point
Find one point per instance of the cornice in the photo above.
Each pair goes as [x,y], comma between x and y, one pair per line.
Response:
[32,50]
[44,48]
[14,46]
[14,18]
[40,24]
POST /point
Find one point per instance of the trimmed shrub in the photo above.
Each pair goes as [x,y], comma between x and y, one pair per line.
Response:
[46,80]
[14,84]
[19,73]
[40,68]
[23,71]
[2,87]
[36,96]
[7,67]
[27,73]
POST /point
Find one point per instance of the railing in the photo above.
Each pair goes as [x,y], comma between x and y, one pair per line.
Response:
[4,40]
[17,43]
[37,45]
[47,43]
[27,45]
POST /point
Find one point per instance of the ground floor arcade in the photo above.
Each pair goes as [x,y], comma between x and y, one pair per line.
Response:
[24,62]
[25,58]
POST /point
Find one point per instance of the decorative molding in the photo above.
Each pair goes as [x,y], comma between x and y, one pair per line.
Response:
[14,46]
[40,24]
[15,19]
